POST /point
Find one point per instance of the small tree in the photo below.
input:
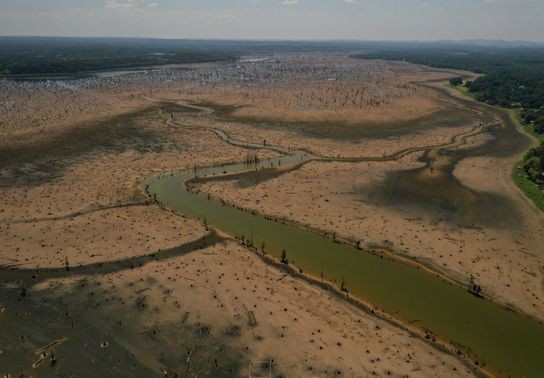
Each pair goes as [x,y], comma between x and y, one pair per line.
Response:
[343,285]
[284,259]
[456,81]
[474,288]
[22,289]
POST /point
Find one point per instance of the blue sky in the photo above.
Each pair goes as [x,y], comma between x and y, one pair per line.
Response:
[278,19]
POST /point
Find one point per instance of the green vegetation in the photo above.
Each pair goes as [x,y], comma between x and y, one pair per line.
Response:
[533,164]
[528,176]
[38,56]
[534,118]
[532,190]
[462,89]
[528,127]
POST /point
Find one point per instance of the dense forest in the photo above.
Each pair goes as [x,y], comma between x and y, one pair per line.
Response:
[513,78]
[35,56]
[533,165]
[67,55]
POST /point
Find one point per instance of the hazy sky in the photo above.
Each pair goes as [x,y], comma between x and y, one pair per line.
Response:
[278,19]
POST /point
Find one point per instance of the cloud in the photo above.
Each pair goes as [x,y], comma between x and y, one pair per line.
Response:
[129,5]
[289,2]
[122,4]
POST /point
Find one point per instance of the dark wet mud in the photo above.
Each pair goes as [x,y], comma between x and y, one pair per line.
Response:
[36,162]
[12,274]
[433,190]
[94,326]
[219,110]
[344,131]
[452,116]
[91,329]
[437,192]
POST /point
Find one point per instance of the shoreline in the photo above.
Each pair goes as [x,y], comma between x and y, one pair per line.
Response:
[109,224]
[380,250]
[330,284]
[529,189]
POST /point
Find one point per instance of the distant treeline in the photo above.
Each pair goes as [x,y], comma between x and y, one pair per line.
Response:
[35,56]
[514,77]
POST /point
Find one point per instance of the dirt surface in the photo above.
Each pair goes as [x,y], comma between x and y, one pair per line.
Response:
[461,215]
[96,278]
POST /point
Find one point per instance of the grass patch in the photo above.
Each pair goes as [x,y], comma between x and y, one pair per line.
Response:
[515,114]
[530,189]
[461,89]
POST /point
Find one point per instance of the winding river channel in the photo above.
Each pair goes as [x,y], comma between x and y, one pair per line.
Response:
[506,342]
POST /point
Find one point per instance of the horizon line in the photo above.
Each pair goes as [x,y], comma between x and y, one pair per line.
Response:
[500,40]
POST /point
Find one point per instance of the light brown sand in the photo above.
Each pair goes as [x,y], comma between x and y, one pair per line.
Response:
[76,218]
[303,330]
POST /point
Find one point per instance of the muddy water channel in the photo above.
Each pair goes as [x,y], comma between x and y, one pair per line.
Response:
[504,341]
